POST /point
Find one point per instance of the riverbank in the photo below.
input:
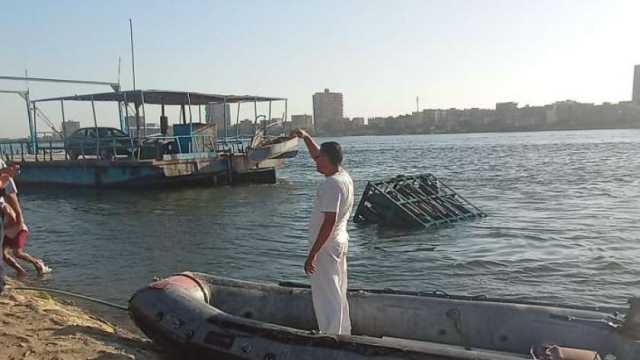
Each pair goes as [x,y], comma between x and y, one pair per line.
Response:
[33,325]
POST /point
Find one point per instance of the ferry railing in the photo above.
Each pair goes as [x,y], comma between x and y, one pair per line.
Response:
[14,151]
[184,144]
[231,145]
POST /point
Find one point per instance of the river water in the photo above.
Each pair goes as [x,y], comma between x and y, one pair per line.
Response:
[563,224]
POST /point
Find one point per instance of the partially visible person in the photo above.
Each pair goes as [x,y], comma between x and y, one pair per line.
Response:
[15,230]
[5,178]
[16,233]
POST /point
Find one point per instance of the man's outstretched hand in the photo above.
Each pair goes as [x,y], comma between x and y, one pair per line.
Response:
[298,133]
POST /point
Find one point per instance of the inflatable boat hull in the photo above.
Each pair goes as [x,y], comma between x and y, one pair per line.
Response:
[200,316]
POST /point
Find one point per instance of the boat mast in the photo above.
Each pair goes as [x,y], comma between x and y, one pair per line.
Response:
[133,57]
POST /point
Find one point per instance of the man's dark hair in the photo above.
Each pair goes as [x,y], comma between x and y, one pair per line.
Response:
[333,151]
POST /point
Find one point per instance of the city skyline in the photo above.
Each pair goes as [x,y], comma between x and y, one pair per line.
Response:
[328,118]
[450,54]
[504,117]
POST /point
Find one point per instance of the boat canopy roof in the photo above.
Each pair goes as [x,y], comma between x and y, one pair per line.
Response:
[160,97]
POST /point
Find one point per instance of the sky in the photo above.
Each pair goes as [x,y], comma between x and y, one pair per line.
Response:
[380,54]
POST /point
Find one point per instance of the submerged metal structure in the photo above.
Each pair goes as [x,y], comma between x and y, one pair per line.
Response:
[413,201]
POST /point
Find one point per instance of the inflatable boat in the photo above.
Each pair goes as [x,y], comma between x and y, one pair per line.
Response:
[201,316]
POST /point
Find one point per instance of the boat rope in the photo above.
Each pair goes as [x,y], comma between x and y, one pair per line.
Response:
[68,293]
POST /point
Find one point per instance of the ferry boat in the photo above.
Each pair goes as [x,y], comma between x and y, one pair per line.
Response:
[189,151]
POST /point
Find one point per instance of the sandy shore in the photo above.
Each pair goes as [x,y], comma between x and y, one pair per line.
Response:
[33,325]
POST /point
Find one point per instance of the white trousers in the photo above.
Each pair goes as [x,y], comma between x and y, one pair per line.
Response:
[329,289]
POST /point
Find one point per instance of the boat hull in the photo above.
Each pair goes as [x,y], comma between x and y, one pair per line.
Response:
[144,173]
[181,313]
[284,149]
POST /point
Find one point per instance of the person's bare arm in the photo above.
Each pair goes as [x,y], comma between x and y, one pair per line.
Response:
[323,235]
[9,214]
[14,203]
[10,170]
[312,146]
[4,180]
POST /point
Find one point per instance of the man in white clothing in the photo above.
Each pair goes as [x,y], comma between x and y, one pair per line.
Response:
[327,259]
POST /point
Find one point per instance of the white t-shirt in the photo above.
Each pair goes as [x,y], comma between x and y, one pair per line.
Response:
[335,194]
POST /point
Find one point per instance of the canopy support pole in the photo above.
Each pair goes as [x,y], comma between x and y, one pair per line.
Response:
[189,103]
[238,122]
[255,112]
[31,122]
[64,130]
[144,115]
[126,116]
[137,106]
[224,119]
[95,125]
[122,125]
[35,146]
[284,121]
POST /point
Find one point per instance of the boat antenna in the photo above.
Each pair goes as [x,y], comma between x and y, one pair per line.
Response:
[133,57]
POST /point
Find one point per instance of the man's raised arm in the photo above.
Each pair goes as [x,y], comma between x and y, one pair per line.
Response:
[314,149]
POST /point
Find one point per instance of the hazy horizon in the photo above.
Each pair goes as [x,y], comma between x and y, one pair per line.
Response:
[459,54]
